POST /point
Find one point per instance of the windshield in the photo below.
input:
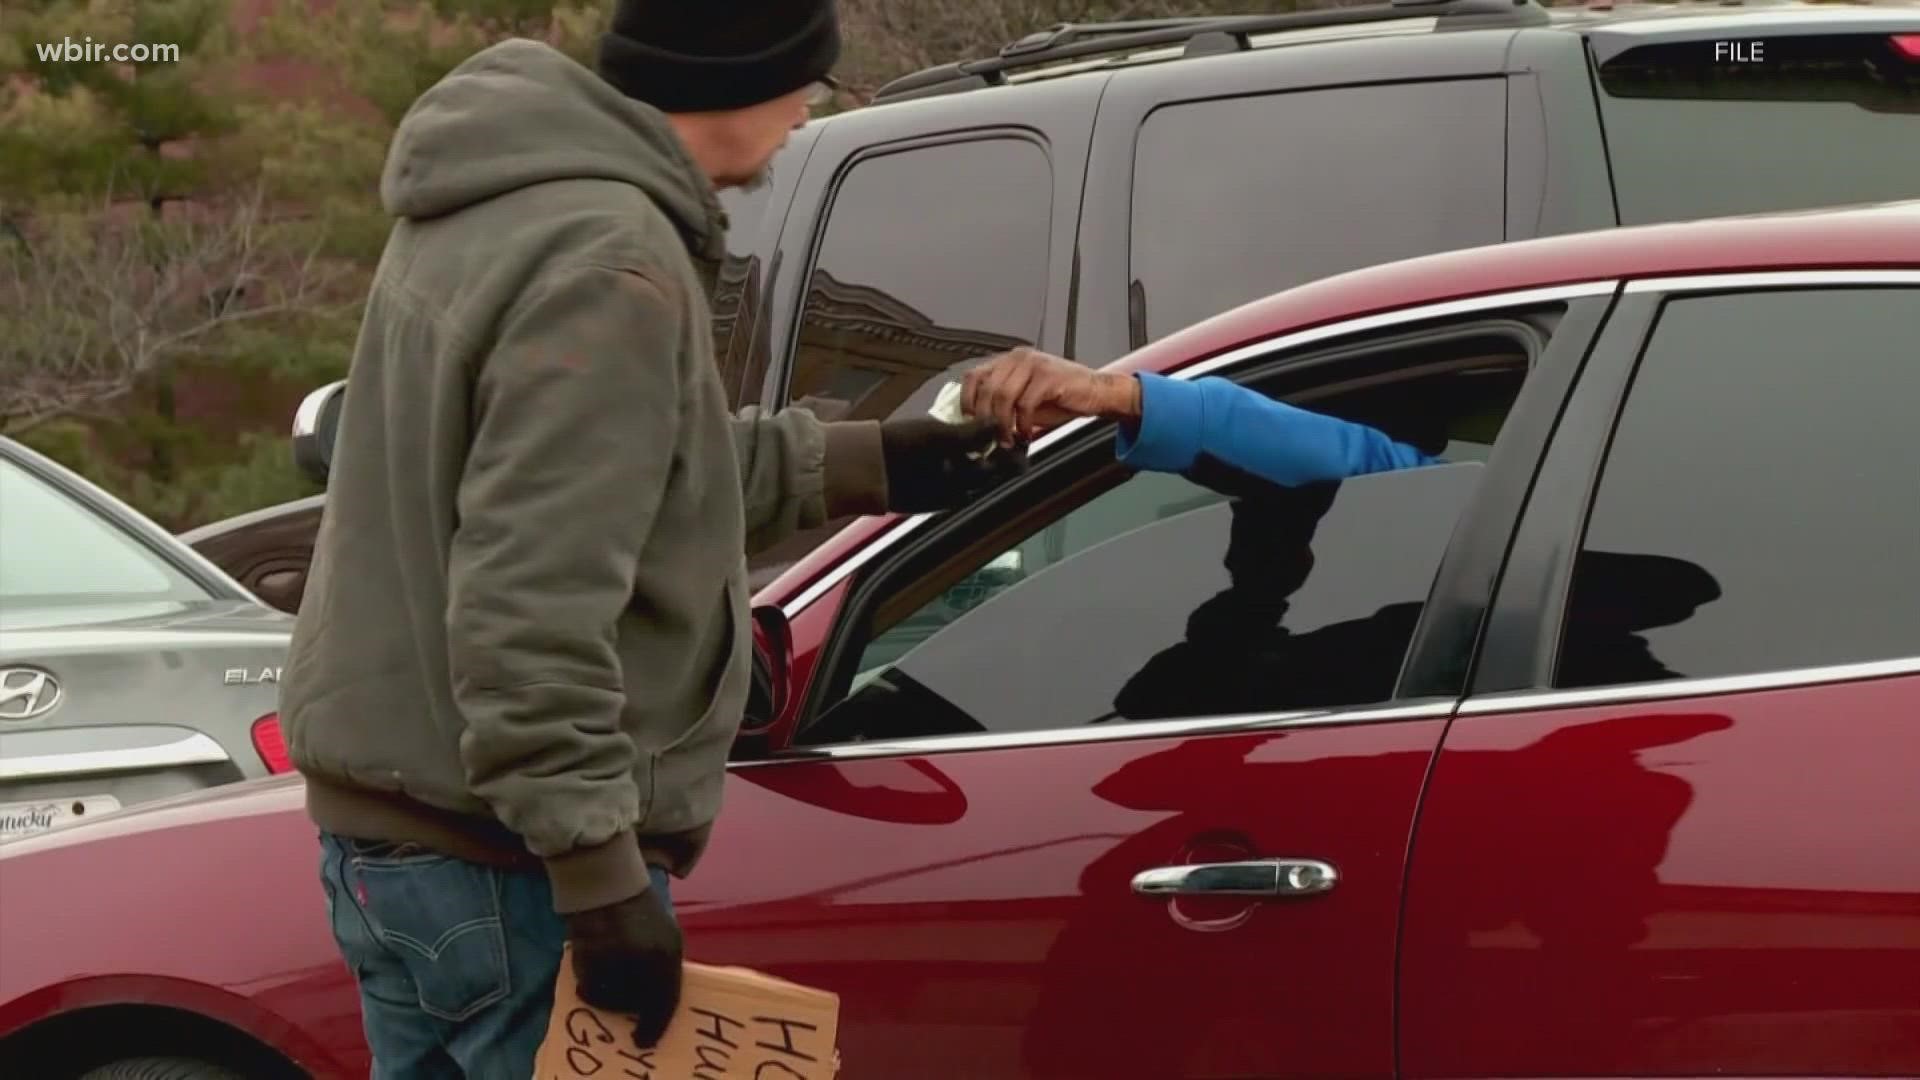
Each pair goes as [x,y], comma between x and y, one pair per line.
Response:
[1709,128]
[55,550]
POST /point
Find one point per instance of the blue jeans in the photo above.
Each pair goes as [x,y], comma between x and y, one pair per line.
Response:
[455,960]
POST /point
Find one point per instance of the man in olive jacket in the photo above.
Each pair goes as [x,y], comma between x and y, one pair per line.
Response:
[524,649]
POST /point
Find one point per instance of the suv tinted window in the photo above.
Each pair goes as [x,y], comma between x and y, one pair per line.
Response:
[1162,597]
[904,289]
[737,295]
[1240,197]
[1760,505]
[1694,132]
[55,550]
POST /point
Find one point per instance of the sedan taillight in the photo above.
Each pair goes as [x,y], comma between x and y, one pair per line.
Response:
[271,744]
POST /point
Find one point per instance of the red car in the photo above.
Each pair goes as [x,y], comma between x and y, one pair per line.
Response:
[1589,752]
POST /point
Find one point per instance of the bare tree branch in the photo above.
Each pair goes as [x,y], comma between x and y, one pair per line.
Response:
[99,301]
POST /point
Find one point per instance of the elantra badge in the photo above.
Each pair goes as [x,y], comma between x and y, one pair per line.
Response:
[239,676]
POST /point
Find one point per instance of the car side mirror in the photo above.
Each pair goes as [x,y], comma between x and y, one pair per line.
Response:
[767,699]
[315,423]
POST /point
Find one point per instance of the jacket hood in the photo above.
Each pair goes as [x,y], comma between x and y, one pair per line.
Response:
[520,113]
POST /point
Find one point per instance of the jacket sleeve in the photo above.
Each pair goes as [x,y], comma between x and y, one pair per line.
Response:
[575,414]
[1277,442]
[797,472]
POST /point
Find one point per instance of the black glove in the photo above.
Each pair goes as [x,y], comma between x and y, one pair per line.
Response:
[626,959]
[933,465]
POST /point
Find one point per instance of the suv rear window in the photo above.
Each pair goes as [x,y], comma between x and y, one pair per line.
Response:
[1707,128]
[1240,197]
[737,294]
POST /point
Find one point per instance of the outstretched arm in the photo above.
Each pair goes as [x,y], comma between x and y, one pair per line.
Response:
[797,472]
[1167,425]
[1277,442]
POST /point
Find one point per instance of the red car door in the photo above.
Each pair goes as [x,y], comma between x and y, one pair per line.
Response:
[1676,830]
[1112,775]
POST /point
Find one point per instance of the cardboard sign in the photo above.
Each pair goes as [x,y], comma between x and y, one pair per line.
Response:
[733,1024]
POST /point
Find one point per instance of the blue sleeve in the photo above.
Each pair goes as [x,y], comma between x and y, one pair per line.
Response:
[1179,421]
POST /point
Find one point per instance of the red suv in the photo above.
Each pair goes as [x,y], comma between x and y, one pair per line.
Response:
[1589,752]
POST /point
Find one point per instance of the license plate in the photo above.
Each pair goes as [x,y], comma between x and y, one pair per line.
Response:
[30,818]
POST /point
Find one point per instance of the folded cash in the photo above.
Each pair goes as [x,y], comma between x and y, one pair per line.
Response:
[946,409]
[946,406]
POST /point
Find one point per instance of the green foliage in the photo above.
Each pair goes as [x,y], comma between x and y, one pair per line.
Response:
[107,123]
[71,443]
[577,29]
[389,52]
[258,471]
[327,164]
[500,18]
[260,474]
[127,219]
[307,350]
[386,55]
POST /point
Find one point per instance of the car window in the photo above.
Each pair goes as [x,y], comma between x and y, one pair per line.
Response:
[1695,130]
[901,293]
[53,549]
[1759,508]
[737,294]
[1169,596]
[1237,198]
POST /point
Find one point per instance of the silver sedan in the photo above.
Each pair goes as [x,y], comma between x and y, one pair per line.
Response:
[131,668]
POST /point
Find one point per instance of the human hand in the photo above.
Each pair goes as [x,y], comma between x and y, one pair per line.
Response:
[933,466]
[1025,392]
[627,959]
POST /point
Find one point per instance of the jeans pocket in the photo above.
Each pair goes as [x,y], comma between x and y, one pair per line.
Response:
[441,917]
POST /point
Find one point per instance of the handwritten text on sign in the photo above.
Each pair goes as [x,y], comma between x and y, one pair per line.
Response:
[732,1024]
[720,1051]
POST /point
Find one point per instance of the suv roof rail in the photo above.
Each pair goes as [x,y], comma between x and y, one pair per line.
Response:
[1201,34]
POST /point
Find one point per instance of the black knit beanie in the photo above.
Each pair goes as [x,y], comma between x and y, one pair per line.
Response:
[712,55]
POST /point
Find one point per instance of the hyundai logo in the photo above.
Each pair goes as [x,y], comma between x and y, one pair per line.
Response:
[26,693]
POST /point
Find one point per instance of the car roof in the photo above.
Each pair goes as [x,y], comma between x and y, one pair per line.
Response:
[1882,236]
[1037,62]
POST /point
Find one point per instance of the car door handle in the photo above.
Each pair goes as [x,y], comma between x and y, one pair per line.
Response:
[1257,877]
